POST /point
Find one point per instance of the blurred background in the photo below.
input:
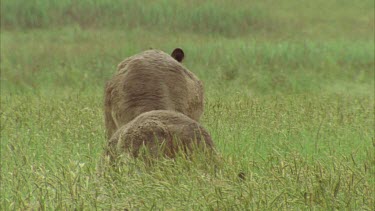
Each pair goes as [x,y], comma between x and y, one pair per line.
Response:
[235,47]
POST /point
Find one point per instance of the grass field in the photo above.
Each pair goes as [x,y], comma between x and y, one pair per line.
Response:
[289,102]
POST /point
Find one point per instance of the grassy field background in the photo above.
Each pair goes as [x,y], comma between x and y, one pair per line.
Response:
[289,102]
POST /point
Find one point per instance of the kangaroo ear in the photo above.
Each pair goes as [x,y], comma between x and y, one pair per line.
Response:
[178,54]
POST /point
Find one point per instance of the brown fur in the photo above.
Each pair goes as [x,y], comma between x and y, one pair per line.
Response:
[151,80]
[162,132]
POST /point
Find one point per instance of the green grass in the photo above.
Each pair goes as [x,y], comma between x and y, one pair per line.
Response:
[332,18]
[289,102]
[296,152]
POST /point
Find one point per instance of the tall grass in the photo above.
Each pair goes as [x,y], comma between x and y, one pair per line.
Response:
[297,152]
[289,103]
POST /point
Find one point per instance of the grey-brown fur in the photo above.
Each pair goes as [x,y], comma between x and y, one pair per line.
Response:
[151,80]
[162,132]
